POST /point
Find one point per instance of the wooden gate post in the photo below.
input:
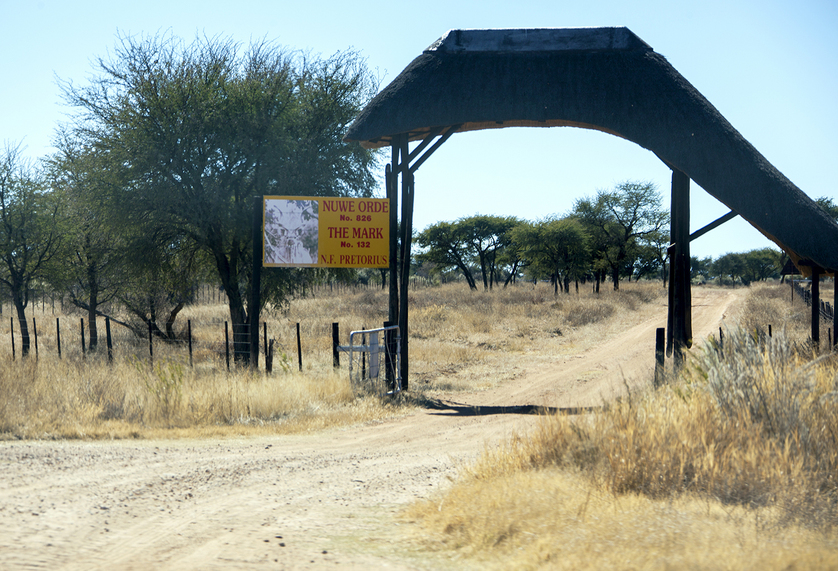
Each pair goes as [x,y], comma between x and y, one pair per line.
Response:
[407,231]
[679,318]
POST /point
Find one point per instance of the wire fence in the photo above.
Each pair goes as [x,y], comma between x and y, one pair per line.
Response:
[827,312]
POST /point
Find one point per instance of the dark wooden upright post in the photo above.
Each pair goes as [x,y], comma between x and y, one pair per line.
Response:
[835,310]
[299,348]
[407,230]
[391,175]
[335,345]
[109,340]
[392,194]
[660,344]
[189,339]
[679,319]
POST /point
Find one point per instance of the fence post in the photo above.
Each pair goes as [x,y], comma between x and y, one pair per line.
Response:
[35,333]
[227,345]
[57,335]
[83,350]
[108,339]
[363,356]
[660,355]
[12,321]
[335,343]
[189,339]
[299,348]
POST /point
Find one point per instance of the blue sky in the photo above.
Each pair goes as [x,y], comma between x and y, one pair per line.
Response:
[768,66]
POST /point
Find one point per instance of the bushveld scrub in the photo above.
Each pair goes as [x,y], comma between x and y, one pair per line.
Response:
[734,464]
[457,336]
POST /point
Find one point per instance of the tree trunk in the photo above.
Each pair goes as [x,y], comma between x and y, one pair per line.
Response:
[20,306]
[615,276]
[170,322]
[91,326]
[227,271]
[468,276]
[483,271]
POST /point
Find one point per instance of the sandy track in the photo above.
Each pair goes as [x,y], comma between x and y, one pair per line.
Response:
[314,501]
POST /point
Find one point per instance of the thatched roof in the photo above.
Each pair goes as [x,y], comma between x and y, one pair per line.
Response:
[606,79]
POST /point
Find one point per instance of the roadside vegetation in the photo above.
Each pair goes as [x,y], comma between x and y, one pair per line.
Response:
[461,341]
[731,465]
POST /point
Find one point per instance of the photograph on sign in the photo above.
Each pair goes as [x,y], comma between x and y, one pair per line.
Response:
[326,232]
[291,235]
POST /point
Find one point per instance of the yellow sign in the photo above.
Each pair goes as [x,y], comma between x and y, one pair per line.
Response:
[321,232]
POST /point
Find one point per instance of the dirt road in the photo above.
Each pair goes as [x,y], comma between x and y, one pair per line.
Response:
[297,502]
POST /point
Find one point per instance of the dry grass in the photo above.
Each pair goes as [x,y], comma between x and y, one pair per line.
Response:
[457,336]
[554,519]
[52,399]
[733,465]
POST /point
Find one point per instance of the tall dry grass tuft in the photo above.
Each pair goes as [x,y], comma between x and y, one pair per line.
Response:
[771,304]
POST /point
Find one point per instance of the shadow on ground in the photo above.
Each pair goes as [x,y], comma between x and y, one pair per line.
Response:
[451,408]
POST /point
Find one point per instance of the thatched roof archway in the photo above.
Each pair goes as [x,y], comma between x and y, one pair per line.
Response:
[605,79]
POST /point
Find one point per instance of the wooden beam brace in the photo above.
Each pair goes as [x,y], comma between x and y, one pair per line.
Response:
[425,142]
[713,225]
[451,130]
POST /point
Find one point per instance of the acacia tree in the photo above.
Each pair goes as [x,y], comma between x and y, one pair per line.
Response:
[28,234]
[200,129]
[447,246]
[486,238]
[619,218]
[761,264]
[556,247]
[730,265]
[652,255]
[91,269]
